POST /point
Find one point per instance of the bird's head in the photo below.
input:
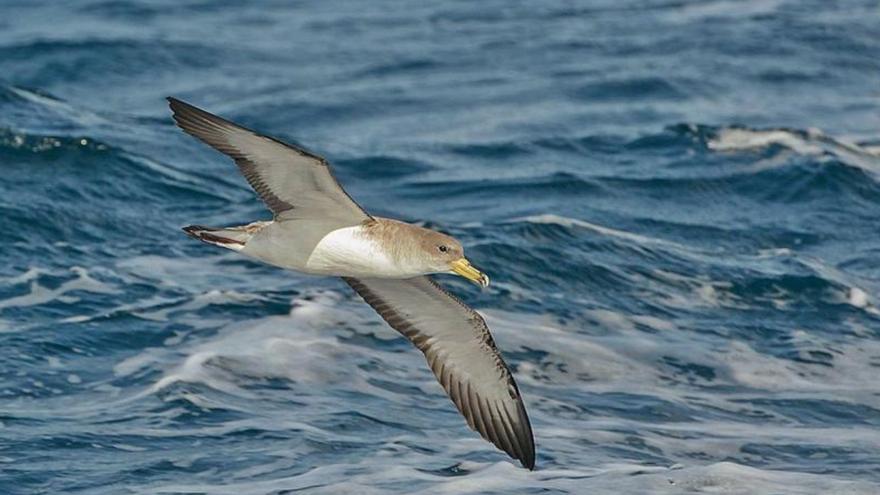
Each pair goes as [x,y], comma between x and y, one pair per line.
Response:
[446,255]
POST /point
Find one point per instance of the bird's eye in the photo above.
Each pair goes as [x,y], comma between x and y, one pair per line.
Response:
[442,248]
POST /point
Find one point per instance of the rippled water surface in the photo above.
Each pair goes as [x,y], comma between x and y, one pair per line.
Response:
[678,203]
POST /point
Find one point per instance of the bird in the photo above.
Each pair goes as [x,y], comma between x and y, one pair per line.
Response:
[318,229]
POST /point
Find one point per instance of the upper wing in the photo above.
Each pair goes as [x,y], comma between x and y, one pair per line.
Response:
[461,353]
[293,183]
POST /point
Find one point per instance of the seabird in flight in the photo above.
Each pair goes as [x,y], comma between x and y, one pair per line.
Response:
[318,229]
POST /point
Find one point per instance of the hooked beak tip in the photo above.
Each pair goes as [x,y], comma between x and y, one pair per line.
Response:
[463,268]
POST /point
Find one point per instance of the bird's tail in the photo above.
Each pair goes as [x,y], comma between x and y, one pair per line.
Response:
[234,238]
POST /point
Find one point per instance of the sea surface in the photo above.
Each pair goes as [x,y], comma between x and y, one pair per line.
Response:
[678,202]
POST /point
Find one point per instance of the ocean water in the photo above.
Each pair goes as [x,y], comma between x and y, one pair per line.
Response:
[678,203]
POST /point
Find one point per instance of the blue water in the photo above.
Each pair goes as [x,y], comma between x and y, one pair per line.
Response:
[678,203]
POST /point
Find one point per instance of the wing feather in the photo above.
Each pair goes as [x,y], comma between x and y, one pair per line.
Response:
[460,351]
[294,183]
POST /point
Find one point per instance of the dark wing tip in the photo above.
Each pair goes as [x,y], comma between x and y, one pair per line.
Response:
[193,119]
[200,123]
[178,106]
[528,458]
[526,437]
[520,436]
[503,422]
[207,127]
[187,117]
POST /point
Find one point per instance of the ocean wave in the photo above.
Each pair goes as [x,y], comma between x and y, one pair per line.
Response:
[552,219]
[381,166]
[650,88]
[93,59]
[684,268]
[776,280]
[679,141]
[806,142]
[558,183]
[308,349]
[810,142]
[725,477]
[45,110]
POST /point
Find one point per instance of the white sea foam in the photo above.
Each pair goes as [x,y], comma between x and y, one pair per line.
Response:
[39,294]
[723,478]
[319,347]
[212,297]
[619,356]
[742,139]
[164,270]
[813,142]
[303,348]
[624,359]
[858,298]
[31,273]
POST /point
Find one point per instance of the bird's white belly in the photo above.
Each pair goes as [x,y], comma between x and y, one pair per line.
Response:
[348,252]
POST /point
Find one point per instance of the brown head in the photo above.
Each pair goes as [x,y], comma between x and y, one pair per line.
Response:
[430,251]
[447,256]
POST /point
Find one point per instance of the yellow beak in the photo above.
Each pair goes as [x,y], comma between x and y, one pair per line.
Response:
[464,268]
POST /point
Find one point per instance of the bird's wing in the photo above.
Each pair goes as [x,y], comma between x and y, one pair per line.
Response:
[294,183]
[461,353]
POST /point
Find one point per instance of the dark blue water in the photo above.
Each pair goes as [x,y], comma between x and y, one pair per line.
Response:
[678,203]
